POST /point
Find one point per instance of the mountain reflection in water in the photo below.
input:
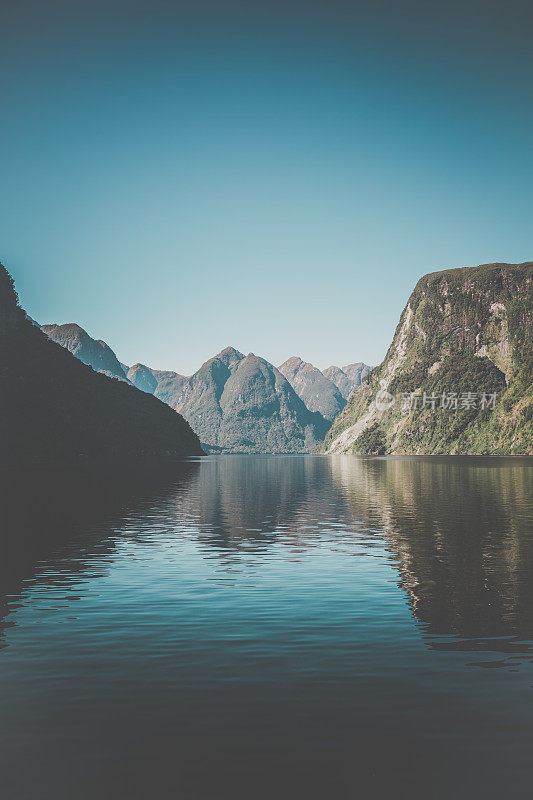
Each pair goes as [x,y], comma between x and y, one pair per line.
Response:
[270,625]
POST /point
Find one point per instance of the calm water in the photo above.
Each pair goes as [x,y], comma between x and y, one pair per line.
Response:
[277,626]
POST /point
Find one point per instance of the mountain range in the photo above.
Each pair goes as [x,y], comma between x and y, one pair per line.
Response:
[324,391]
[234,402]
[457,377]
[317,391]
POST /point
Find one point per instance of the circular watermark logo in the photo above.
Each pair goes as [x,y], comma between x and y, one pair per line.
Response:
[384,400]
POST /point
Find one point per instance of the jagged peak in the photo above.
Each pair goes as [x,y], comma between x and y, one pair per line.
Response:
[229,351]
[294,362]
[252,357]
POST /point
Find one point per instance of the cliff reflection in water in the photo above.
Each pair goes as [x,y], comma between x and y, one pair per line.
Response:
[458,529]
[301,619]
[461,531]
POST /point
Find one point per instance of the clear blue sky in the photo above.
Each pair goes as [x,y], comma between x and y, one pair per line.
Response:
[275,176]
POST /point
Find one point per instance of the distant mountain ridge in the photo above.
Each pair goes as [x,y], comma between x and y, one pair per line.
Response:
[243,404]
[317,391]
[348,378]
[93,352]
[57,409]
[235,403]
[142,378]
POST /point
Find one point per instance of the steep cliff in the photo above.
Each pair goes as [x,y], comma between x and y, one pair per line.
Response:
[458,376]
[56,408]
[317,391]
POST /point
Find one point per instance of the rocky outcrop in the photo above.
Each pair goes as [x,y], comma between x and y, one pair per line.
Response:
[93,352]
[317,391]
[458,376]
[348,378]
[57,409]
[239,403]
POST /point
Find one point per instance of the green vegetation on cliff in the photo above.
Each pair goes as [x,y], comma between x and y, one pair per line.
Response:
[463,331]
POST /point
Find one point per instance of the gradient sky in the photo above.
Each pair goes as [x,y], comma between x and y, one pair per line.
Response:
[274,176]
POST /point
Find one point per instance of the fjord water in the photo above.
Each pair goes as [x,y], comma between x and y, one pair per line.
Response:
[276,626]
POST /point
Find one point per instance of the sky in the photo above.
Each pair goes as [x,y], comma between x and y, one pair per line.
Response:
[179,177]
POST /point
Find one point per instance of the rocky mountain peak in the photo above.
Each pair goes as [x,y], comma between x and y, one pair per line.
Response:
[348,378]
[143,378]
[317,391]
[229,352]
[293,363]
[240,403]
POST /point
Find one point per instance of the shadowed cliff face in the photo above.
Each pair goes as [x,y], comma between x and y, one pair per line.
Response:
[463,331]
[55,408]
[95,353]
[317,391]
[243,404]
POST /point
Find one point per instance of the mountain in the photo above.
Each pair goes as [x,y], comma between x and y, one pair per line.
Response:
[95,353]
[142,378]
[465,339]
[169,385]
[343,383]
[235,403]
[356,372]
[56,408]
[164,384]
[317,391]
[348,378]
[243,404]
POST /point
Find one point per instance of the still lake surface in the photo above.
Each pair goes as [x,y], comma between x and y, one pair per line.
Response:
[279,626]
